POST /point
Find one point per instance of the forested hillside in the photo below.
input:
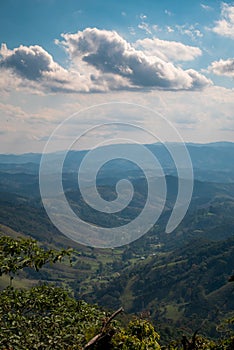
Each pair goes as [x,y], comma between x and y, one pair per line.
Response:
[48,317]
[178,280]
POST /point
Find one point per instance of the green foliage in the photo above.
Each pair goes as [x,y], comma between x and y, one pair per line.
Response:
[45,317]
[182,281]
[201,343]
[183,287]
[16,254]
[139,335]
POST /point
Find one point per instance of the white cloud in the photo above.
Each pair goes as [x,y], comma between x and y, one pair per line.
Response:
[145,26]
[169,13]
[223,67]
[12,111]
[225,26]
[100,61]
[170,29]
[109,53]
[156,28]
[142,16]
[34,68]
[168,50]
[190,30]
[200,116]
[206,7]
[30,62]
[132,30]
[15,113]
[8,81]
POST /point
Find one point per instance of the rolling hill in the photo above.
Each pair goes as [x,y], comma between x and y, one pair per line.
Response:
[178,279]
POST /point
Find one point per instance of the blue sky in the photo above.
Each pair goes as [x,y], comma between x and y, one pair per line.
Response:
[59,57]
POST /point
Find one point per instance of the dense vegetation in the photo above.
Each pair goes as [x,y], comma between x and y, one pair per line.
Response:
[178,279]
[174,283]
[47,317]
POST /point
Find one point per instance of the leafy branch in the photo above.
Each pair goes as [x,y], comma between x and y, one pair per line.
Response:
[17,254]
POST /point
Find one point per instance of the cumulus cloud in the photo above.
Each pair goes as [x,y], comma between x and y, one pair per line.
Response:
[101,61]
[168,50]
[109,53]
[225,26]
[33,67]
[31,62]
[222,67]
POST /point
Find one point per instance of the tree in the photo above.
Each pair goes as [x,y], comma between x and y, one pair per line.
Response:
[17,254]
[139,335]
[47,317]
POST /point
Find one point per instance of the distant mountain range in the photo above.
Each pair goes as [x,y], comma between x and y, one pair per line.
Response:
[211,162]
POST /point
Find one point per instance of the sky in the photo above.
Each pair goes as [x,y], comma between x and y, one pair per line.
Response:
[165,66]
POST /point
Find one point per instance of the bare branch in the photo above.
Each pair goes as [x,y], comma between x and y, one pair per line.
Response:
[106,323]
